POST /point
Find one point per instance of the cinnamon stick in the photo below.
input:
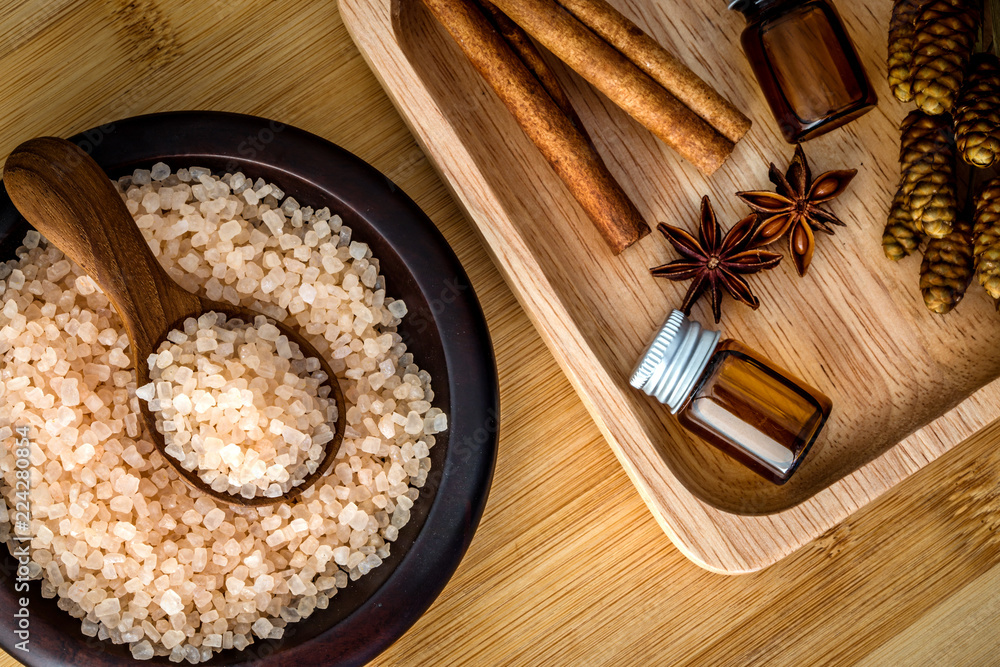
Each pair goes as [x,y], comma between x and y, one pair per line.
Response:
[657,62]
[569,153]
[621,81]
[522,45]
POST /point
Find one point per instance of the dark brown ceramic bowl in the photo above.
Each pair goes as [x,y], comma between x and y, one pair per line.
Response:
[444,329]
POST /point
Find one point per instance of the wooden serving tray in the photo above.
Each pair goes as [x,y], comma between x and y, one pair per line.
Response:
[906,384]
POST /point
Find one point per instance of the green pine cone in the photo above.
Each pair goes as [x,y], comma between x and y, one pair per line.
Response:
[947,268]
[977,113]
[900,237]
[986,233]
[944,36]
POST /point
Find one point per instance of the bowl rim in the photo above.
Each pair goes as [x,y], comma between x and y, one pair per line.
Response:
[464,482]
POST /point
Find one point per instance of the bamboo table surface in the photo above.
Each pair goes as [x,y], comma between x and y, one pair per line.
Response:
[568,566]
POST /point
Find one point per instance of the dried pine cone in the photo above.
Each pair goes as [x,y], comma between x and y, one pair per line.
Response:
[986,232]
[946,271]
[927,172]
[900,58]
[945,32]
[900,237]
[977,112]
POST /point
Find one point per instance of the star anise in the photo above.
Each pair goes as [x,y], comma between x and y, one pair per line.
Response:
[795,208]
[716,263]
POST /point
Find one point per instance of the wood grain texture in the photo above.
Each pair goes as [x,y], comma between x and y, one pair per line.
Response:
[568,567]
[906,384]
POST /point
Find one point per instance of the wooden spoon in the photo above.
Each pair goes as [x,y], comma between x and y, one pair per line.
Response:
[69,199]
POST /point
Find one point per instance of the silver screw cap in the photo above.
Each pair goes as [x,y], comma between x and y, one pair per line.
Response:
[670,367]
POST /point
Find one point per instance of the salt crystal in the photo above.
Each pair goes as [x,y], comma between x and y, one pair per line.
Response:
[142,651]
[229,229]
[84,453]
[89,628]
[66,416]
[440,423]
[101,430]
[88,332]
[69,392]
[214,519]
[200,559]
[107,607]
[151,202]
[189,263]
[182,404]
[308,293]
[146,391]
[121,504]
[269,332]
[396,474]
[85,285]
[371,445]
[359,520]
[159,172]
[358,250]
[341,555]
[171,603]
[127,484]
[118,358]
[414,423]
[262,627]
[274,222]
[172,638]
[164,359]
[183,375]
[347,513]
[296,585]
[124,530]
[264,583]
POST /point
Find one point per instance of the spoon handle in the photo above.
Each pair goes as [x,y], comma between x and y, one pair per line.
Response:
[68,198]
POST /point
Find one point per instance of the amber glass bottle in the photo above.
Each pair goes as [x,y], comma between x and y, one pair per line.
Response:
[732,397]
[805,64]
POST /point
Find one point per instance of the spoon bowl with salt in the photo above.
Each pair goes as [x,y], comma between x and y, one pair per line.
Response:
[69,199]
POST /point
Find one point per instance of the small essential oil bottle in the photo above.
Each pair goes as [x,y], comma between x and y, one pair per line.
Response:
[732,397]
[806,65]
